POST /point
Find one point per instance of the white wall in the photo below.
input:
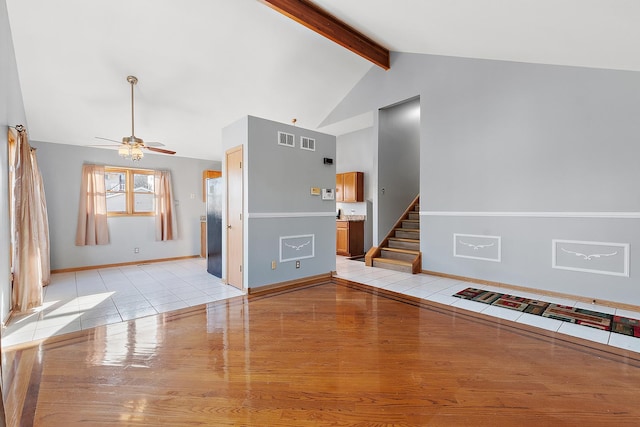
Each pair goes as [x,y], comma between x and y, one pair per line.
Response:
[11,114]
[61,167]
[528,152]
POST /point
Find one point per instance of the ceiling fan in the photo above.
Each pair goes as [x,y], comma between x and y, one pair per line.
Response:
[132,146]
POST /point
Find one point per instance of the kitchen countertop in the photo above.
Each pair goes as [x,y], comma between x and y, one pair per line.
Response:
[352,218]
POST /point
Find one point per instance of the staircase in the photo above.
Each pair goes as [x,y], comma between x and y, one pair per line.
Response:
[400,250]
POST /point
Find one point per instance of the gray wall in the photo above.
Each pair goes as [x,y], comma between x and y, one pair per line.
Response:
[354,153]
[527,152]
[61,166]
[278,182]
[398,162]
[11,114]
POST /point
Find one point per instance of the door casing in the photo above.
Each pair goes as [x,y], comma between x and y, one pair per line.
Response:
[234,211]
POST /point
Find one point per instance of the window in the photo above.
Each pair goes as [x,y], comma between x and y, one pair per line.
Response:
[129,191]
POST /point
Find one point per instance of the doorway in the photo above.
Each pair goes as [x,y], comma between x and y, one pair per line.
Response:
[398,162]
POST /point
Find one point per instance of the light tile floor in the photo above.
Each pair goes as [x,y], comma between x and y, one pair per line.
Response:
[83,300]
[439,289]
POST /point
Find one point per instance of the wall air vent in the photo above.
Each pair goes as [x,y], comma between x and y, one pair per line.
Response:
[307,143]
[286,139]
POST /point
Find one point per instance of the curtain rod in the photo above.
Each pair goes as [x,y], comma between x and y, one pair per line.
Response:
[132,168]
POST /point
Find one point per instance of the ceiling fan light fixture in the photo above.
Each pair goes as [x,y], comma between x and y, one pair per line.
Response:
[131,146]
[136,154]
[124,151]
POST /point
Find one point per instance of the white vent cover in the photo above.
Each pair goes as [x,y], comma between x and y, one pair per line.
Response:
[307,143]
[286,139]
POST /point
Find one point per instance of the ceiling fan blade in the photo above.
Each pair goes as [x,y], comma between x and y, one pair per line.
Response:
[107,139]
[154,144]
[159,150]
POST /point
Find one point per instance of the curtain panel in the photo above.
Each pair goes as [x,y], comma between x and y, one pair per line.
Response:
[92,226]
[166,224]
[29,227]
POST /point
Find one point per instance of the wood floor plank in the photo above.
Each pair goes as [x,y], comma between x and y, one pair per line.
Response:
[333,354]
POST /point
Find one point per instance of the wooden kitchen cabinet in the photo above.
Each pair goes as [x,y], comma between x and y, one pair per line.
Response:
[350,238]
[203,239]
[350,187]
[339,187]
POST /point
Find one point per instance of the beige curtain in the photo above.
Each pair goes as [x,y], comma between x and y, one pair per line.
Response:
[30,228]
[166,228]
[92,211]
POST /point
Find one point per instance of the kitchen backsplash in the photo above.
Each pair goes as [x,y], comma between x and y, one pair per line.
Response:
[352,208]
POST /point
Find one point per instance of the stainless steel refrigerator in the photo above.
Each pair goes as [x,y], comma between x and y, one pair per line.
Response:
[214,226]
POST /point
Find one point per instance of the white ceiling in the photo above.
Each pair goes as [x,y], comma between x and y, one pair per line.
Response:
[203,64]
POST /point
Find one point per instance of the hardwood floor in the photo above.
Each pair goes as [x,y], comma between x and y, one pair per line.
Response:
[328,354]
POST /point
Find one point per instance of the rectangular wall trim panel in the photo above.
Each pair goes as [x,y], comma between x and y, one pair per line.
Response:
[475,246]
[297,247]
[591,257]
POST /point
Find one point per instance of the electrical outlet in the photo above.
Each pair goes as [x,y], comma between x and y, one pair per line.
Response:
[273,265]
[298,264]
[136,250]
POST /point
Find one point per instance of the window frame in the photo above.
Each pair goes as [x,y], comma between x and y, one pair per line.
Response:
[129,191]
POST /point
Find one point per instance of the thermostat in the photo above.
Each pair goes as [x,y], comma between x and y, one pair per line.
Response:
[327,194]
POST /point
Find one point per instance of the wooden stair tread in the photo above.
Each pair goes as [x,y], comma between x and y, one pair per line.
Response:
[411,220]
[393,261]
[412,230]
[404,251]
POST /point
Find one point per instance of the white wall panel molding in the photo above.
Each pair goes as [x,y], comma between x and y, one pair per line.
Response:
[255,215]
[591,257]
[297,247]
[475,246]
[603,215]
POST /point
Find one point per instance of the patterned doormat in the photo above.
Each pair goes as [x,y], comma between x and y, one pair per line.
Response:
[579,316]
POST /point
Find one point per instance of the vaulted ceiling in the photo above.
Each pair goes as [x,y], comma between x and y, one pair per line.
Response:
[202,64]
